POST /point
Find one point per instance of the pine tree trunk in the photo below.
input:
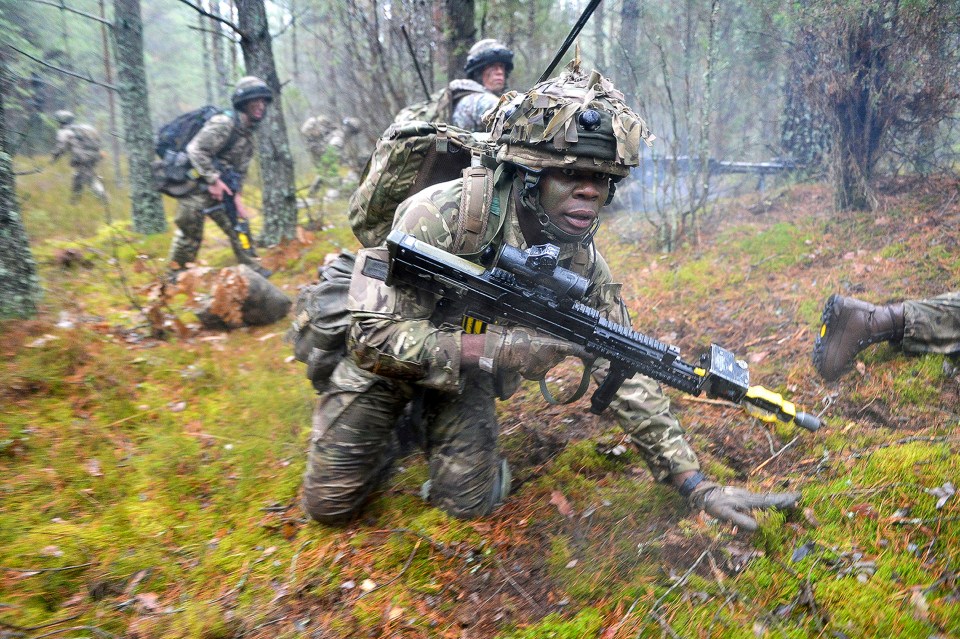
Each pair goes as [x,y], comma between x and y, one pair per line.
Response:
[276,163]
[460,35]
[217,50]
[147,211]
[203,24]
[111,98]
[19,284]
[600,39]
[628,45]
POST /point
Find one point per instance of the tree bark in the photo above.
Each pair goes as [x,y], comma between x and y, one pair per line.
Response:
[111,98]
[19,285]
[628,46]
[217,50]
[460,35]
[276,163]
[203,24]
[147,212]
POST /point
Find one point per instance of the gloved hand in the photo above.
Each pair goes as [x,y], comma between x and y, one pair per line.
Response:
[733,504]
[525,351]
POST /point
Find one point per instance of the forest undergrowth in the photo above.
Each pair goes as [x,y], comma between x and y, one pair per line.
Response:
[149,470]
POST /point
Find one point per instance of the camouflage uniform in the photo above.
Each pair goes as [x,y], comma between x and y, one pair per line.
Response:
[468,110]
[225,140]
[932,325]
[316,131]
[83,143]
[414,342]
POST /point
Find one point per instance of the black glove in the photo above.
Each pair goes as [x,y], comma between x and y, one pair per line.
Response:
[733,504]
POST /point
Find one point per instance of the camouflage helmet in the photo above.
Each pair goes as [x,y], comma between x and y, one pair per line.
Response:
[64,117]
[487,52]
[577,120]
[250,88]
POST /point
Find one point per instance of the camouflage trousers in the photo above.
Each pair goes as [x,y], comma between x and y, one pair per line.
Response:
[353,444]
[932,325]
[189,234]
[85,175]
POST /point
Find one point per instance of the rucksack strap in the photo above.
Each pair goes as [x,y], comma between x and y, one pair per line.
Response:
[476,198]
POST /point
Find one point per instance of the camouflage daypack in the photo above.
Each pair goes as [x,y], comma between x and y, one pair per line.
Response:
[319,329]
[439,108]
[408,158]
[85,146]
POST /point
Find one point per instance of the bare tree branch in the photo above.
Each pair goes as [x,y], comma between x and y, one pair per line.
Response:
[217,18]
[63,6]
[64,71]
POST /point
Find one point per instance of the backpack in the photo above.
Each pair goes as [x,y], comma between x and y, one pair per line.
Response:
[439,107]
[321,320]
[172,172]
[408,158]
[85,146]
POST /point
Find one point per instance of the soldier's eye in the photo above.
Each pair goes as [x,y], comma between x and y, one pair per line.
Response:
[569,172]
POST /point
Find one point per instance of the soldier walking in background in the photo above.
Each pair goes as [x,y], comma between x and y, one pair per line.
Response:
[83,143]
[488,67]
[330,146]
[220,153]
[849,325]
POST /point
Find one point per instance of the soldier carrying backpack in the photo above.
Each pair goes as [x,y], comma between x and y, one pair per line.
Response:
[223,143]
[83,143]
[463,102]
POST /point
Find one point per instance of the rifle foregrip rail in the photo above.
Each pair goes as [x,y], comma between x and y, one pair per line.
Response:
[537,300]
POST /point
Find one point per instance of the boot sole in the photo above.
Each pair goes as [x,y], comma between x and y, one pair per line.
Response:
[818,345]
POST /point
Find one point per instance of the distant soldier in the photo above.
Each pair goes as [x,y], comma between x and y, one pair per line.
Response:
[347,141]
[83,143]
[316,131]
[220,153]
[330,146]
[489,63]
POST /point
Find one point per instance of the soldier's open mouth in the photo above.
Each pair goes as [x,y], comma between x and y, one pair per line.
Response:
[579,221]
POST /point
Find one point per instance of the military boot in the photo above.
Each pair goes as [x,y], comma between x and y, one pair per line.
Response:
[848,326]
[262,271]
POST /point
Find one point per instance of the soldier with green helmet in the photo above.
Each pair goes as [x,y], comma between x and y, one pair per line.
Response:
[488,66]
[82,141]
[224,145]
[561,148]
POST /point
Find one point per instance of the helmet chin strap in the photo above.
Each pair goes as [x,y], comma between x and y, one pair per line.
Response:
[529,191]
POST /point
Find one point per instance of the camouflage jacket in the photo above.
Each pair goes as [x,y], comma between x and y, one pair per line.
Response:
[404,333]
[468,111]
[316,131]
[81,140]
[211,143]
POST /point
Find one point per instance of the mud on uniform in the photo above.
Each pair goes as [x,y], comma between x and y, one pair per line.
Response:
[212,142]
[932,325]
[83,143]
[403,334]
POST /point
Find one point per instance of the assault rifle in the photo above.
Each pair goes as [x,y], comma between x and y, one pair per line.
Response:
[229,205]
[530,289]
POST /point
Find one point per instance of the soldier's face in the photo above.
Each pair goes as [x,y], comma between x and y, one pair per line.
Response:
[494,77]
[572,199]
[255,109]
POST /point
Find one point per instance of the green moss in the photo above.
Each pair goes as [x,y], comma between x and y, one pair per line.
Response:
[586,623]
